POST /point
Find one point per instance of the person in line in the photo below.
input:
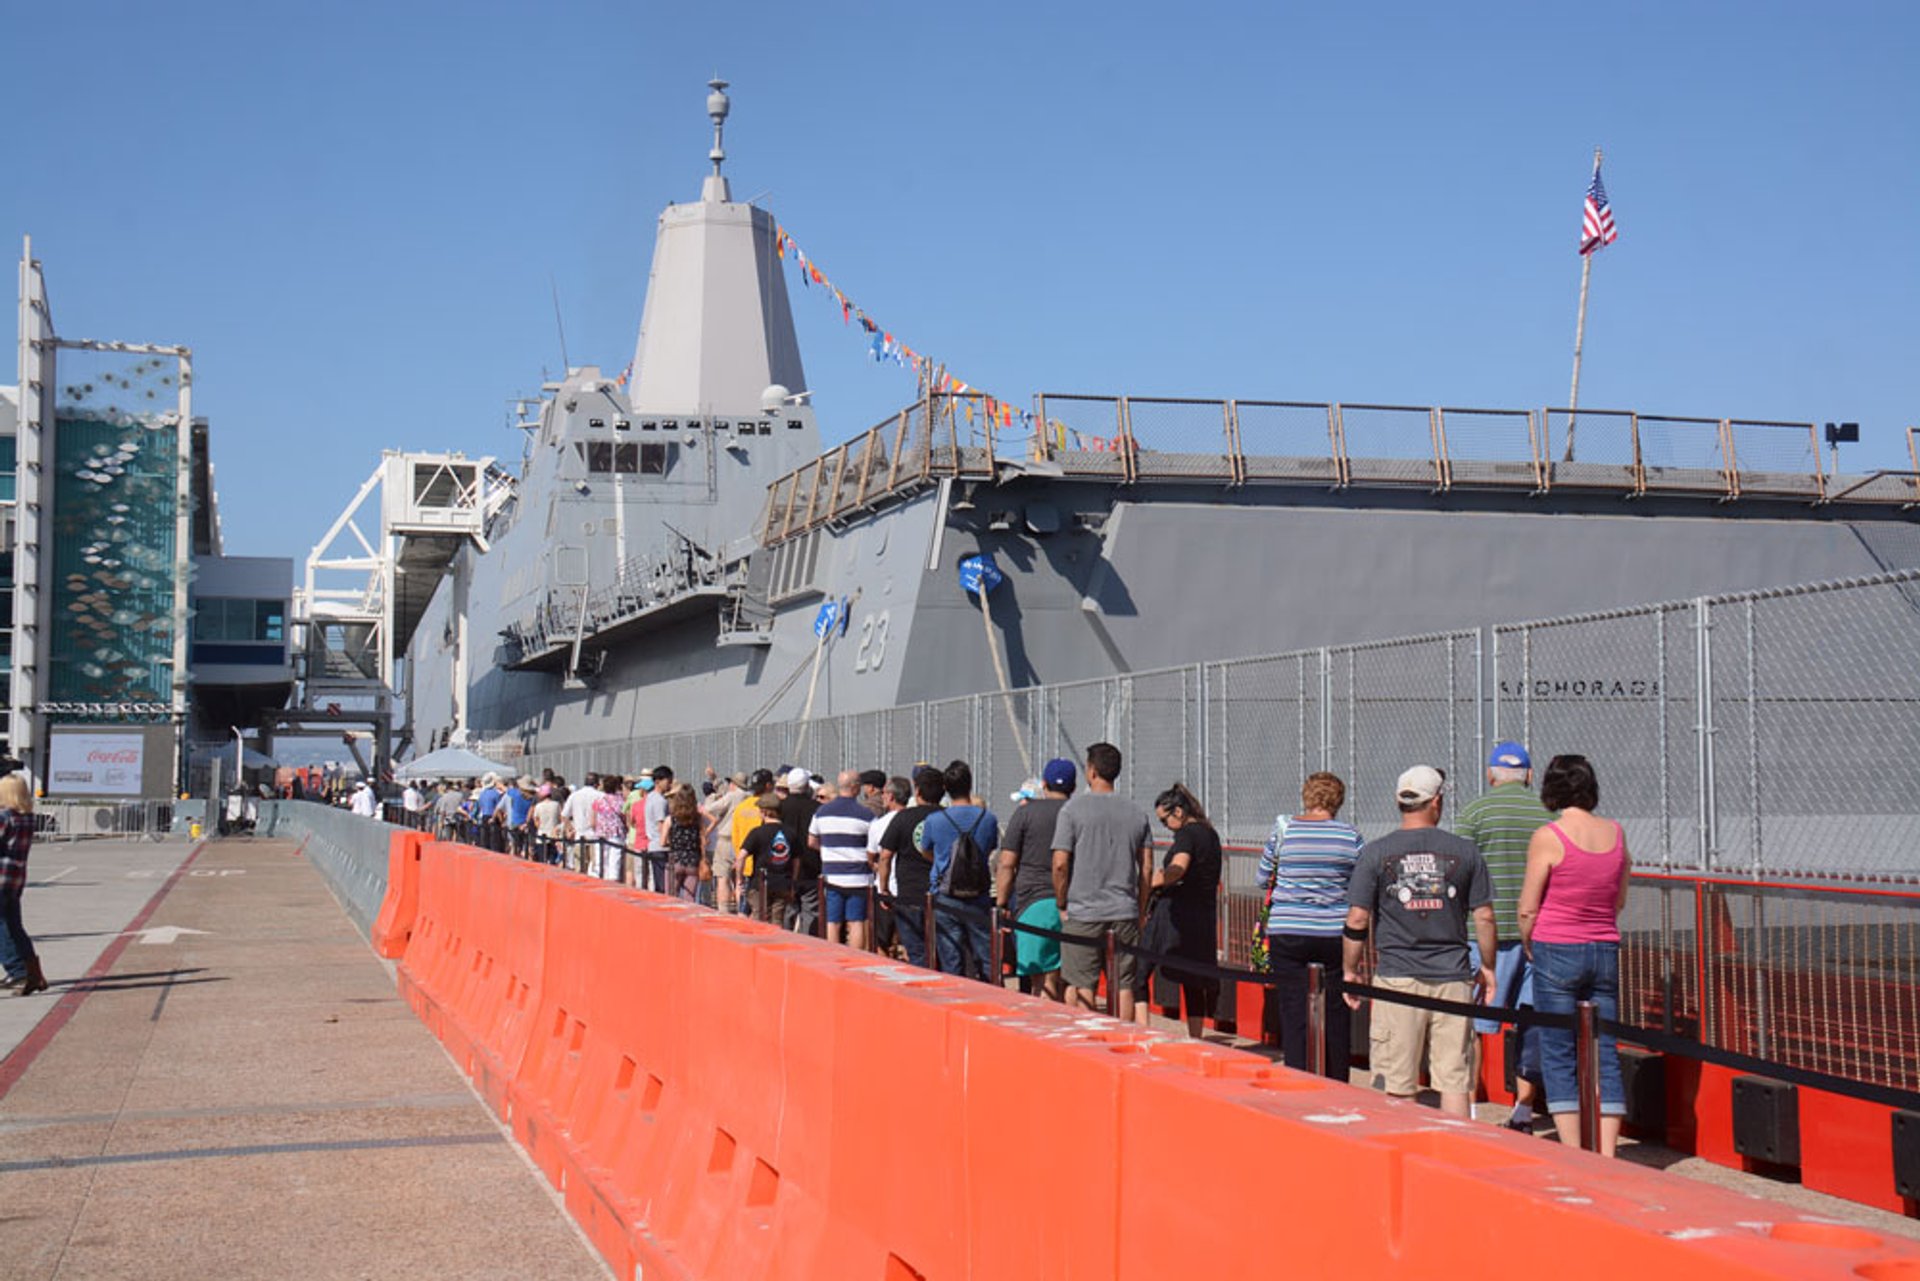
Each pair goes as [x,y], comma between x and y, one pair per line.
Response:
[1415,888]
[720,809]
[578,814]
[873,791]
[548,827]
[838,834]
[746,817]
[1570,901]
[486,812]
[517,814]
[413,802]
[609,831]
[684,855]
[904,866]
[449,811]
[957,840]
[16,839]
[1501,822]
[796,815]
[898,794]
[1306,867]
[1183,918]
[363,803]
[769,849]
[1023,887]
[661,780]
[1102,863]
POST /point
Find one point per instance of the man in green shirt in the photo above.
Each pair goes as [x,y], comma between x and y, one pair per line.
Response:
[1501,821]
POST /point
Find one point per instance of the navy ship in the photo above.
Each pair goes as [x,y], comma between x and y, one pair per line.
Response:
[676,551]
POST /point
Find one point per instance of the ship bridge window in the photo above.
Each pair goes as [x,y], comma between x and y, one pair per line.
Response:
[793,424]
[607,457]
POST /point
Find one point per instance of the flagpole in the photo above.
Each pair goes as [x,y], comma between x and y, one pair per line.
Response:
[1579,335]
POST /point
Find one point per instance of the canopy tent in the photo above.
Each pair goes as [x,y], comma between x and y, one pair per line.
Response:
[452,762]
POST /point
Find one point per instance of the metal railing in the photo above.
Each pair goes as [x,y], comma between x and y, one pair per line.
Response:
[1131,438]
[56,820]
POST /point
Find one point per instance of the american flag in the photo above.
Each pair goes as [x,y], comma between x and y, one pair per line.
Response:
[1596,223]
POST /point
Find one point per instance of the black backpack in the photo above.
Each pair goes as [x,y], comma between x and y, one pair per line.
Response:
[967,874]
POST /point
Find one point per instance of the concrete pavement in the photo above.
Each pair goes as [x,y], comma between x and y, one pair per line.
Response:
[239,1092]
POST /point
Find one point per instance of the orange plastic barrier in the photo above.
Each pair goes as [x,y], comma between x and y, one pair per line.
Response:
[718,1099]
[395,922]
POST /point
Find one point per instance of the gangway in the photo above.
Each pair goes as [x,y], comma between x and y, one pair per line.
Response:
[372,575]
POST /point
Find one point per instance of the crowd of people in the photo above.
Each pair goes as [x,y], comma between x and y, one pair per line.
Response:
[1515,907]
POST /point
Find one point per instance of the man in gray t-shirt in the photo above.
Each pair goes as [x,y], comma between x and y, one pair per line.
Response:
[1102,865]
[1415,888]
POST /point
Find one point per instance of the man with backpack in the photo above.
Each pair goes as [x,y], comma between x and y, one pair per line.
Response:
[958,839]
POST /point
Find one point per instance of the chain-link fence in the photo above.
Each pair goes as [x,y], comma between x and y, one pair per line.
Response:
[1768,731]
[1763,732]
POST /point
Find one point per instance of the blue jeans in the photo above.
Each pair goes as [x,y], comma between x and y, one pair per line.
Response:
[1513,989]
[1564,974]
[16,949]
[911,927]
[959,923]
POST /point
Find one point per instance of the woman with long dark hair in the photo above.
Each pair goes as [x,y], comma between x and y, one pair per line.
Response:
[683,844]
[1569,916]
[1182,917]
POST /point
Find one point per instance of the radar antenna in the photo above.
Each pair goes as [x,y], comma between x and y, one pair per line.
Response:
[717,109]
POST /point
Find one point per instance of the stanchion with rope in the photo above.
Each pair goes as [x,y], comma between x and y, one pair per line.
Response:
[1112,970]
[873,917]
[997,948]
[1316,1018]
[1586,1069]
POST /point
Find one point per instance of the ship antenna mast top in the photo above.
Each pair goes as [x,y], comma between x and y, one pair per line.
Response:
[717,109]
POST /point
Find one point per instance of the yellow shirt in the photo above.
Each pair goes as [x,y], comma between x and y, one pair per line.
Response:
[746,817]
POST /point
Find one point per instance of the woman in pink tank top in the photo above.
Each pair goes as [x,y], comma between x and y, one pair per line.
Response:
[1569,916]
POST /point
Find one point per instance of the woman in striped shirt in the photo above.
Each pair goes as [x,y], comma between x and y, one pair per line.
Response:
[1308,861]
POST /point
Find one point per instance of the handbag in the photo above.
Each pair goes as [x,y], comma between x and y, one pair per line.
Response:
[1257,949]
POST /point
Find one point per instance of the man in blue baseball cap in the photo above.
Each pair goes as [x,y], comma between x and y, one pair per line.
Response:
[1023,886]
[1501,822]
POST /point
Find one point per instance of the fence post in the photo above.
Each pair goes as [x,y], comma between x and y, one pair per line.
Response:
[1586,1063]
[1703,727]
[1317,1018]
[1113,973]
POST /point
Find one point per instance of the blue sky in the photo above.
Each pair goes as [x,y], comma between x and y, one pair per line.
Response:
[352,211]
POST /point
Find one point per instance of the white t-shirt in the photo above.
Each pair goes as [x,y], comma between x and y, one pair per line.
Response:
[579,810]
[363,803]
[412,800]
[874,834]
[546,818]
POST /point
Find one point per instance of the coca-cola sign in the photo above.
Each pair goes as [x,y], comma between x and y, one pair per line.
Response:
[95,762]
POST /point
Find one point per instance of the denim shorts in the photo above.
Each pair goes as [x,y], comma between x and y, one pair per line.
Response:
[844,905]
[1565,974]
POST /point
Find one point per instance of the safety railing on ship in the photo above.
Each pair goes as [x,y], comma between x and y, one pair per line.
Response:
[1235,442]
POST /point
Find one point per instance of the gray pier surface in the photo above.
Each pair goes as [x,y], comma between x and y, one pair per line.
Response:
[223,1082]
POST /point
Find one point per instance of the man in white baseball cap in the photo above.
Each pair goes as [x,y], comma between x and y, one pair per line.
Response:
[1415,888]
